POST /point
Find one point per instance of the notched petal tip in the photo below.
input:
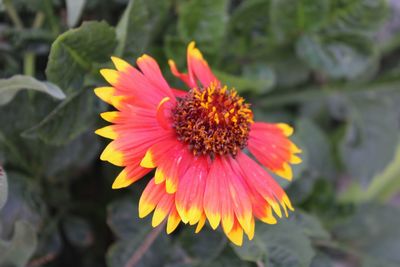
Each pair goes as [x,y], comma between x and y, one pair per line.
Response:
[112,155]
[285,172]
[286,129]
[236,236]
[201,223]
[144,57]
[275,207]
[295,149]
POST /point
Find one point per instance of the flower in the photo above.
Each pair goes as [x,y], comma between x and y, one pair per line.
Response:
[196,142]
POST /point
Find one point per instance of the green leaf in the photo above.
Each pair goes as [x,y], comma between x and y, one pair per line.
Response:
[310,224]
[317,144]
[68,120]
[121,252]
[369,143]
[289,70]
[226,259]
[59,161]
[372,233]
[20,248]
[35,157]
[11,86]
[284,244]
[122,218]
[138,26]
[261,82]
[50,241]
[78,231]
[250,15]
[131,233]
[24,203]
[74,53]
[386,184]
[3,188]
[74,11]
[291,18]
[175,48]
[356,16]
[203,21]
[338,56]
[204,246]
[322,260]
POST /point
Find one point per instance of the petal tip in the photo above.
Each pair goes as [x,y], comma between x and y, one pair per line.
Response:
[110,75]
[121,181]
[286,129]
[148,161]
[120,64]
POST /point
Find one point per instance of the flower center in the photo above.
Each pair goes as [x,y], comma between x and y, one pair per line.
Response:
[213,121]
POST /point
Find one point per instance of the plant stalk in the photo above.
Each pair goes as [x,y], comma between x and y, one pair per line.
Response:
[144,247]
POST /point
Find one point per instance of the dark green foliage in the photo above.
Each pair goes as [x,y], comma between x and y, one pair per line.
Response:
[328,67]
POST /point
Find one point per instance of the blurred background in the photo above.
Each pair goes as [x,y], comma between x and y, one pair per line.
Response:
[330,68]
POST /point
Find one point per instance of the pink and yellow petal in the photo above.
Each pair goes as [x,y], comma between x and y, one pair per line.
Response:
[113,154]
[270,145]
[107,132]
[120,64]
[111,76]
[189,196]
[110,116]
[152,72]
[239,197]
[129,175]
[163,113]
[201,223]
[173,220]
[189,81]
[162,210]
[235,235]
[225,197]
[156,152]
[198,67]
[212,197]
[105,93]
[182,159]
[260,181]
[149,199]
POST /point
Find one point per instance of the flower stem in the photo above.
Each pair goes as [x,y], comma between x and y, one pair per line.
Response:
[144,247]
[29,63]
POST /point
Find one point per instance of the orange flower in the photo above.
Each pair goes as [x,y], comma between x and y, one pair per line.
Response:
[195,140]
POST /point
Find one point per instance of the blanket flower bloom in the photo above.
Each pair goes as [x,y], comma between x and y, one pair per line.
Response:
[195,140]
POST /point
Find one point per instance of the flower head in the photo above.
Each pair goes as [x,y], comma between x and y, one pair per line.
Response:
[196,141]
